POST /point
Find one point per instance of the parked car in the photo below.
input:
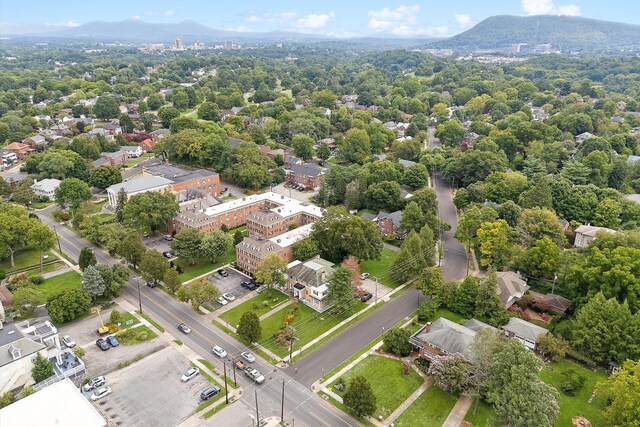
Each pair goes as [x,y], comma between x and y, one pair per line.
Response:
[364,276]
[223,272]
[95,383]
[366,297]
[184,328]
[239,364]
[209,392]
[167,254]
[219,351]
[151,284]
[249,284]
[105,391]
[255,375]
[168,237]
[224,190]
[191,373]
[229,296]
[248,356]
[112,341]
[222,301]
[68,341]
[102,344]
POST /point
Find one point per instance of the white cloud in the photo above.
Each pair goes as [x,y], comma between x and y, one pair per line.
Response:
[135,18]
[272,18]
[72,24]
[314,21]
[547,7]
[168,13]
[241,29]
[402,21]
[387,19]
[463,20]
[253,18]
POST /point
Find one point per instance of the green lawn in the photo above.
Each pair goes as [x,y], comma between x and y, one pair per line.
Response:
[132,162]
[135,335]
[485,416]
[571,406]
[125,316]
[308,324]
[380,268]
[232,317]
[146,317]
[390,386]
[203,265]
[429,410]
[450,315]
[24,259]
[106,217]
[52,285]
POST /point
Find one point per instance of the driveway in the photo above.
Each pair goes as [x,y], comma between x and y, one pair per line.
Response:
[156,242]
[370,286]
[150,392]
[230,284]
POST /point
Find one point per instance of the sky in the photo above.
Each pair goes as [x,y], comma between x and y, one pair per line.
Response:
[340,18]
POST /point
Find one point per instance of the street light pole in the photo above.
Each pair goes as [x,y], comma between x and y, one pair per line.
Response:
[553,287]
[226,388]
[282,407]
[139,297]
[55,230]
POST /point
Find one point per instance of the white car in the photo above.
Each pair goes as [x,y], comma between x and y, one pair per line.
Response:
[104,391]
[219,351]
[191,373]
[255,375]
[248,356]
[229,296]
[364,276]
[222,301]
[95,383]
[68,341]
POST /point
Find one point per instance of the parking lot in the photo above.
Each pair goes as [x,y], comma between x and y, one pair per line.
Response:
[370,286]
[156,242]
[150,392]
[98,362]
[231,283]
[302,196]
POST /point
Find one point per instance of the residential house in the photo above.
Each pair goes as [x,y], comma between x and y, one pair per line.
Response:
[632,159]
[406,163]
[586,233]
[307,282]
[330,143]
[16,354]
[617,119]
[307,175]
[20,150]
[621,105]
[526,332]
[277,152]
[132,150]
[99,131]
[583,137]
[444,337]
[116,158]
[182,179]
[633,197]
[389,224]
[552,302]
[43,118]
[291,161]
[61,129]
[137,186]
[511,287]
[147,145]
[46,188]
[8,157]
[112,129]
[160,133]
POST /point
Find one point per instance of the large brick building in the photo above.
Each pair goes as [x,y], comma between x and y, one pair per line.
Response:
[281,211]
[252,249]
[199,179]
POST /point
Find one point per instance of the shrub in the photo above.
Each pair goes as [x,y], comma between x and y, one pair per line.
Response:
[3,274]
[397,342]
[428,309]
[574,381]
[340,384]
[141,336]
[37,280]
[61,215]
[115,317]
[18,277]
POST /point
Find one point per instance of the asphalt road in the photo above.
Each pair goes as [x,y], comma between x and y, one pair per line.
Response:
[300,404]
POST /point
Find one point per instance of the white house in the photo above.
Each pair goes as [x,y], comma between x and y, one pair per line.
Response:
[586,233]
[133,150]
[137,186]
[46,188]
[526,332]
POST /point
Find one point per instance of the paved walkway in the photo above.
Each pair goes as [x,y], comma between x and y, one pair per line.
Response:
[457,414]
[276,309]
[391,247]
[414,396]
[56,272]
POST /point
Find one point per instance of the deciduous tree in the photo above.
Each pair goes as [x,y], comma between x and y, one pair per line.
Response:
[215,244]
[86,258]
[622,392]
[131,249]
[340,296]
[68,305]
[359,396]
[72,191]
[397,342]
[153,265]
[105,176]
[198,292]
[271,270]
[249,327]
[451,373]
[171,280]
[187,244]
[151,211]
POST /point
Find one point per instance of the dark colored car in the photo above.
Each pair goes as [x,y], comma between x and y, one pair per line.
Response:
[223,272]
[249,284]
[209,392]
[366,297]
[151,284]
[167,254]
[102,344]
[112,341]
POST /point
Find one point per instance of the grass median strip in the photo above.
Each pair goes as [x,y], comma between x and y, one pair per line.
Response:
[150,320]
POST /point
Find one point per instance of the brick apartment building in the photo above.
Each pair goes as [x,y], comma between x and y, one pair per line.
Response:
[199,179]
[238,212]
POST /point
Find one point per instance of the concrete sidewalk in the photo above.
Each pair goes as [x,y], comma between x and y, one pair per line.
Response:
[458,412]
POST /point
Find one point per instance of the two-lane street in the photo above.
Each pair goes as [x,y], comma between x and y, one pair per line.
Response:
[300,403]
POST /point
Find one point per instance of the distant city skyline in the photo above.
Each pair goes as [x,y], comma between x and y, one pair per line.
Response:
[334,18]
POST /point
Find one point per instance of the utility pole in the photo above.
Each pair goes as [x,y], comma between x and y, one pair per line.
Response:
[291,349]
[55,230]
[226,388]
[553,287]
[282,407]
[139,297]
[257,412]
[234,376]
[376,298]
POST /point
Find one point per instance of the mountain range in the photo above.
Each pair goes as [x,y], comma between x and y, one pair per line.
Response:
[567,32]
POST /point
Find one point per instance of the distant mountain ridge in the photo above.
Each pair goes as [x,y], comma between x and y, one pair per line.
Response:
[569,32]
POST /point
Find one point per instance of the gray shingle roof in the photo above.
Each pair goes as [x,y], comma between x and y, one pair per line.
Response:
[140,184]
[308,169]
[523,329]
[447,336]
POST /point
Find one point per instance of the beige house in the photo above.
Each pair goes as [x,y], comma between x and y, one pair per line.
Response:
[511,287]
[586,233]
[307,282]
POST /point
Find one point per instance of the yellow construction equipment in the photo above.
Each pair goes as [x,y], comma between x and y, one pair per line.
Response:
[103,329]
